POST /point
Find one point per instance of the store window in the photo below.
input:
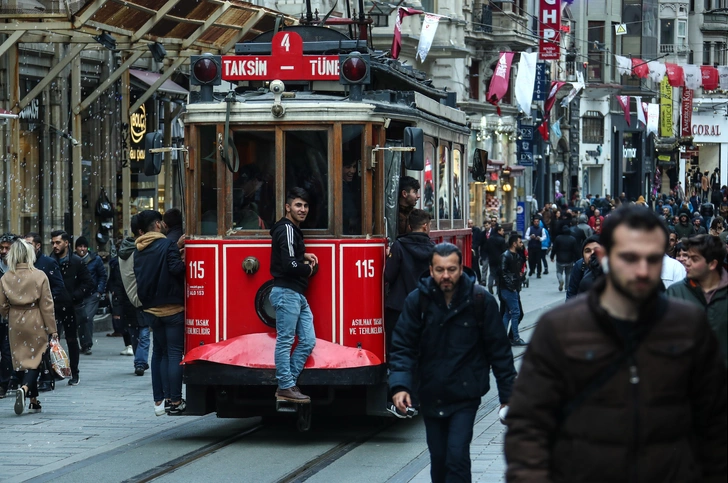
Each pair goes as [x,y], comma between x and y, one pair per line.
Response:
[254,185]
[307,167]
[592,128]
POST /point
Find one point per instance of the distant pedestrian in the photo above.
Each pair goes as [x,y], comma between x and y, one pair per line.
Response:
[26,301]
[581,266]
[623,385]
[566,252]
[160,272]
[509,287]
[534,237]
[496,245]
[450,333]
[91,303]
[291,267]
[79,285]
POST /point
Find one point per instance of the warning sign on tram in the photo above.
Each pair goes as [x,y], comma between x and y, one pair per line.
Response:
[286,62]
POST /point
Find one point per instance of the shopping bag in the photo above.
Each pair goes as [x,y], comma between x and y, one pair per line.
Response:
[59,359]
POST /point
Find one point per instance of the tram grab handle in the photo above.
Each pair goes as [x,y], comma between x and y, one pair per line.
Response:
[391,148]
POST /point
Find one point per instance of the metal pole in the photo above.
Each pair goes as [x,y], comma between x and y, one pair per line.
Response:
[76,152]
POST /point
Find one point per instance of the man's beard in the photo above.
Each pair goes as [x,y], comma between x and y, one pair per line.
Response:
[631,295]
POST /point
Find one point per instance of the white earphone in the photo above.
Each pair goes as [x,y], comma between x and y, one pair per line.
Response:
[605,264]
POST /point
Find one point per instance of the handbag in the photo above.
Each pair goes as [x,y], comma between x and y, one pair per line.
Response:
[59,359]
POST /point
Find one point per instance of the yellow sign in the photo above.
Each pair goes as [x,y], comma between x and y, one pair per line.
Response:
[620,29]
[138,125]
[666,130]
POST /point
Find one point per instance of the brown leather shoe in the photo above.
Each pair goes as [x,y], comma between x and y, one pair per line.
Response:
[292,394]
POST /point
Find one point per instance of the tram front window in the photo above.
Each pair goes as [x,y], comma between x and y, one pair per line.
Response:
[307,166]
[208,181]
[351,179]
[254,185]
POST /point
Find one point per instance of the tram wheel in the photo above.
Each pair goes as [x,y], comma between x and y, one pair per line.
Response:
[303,422]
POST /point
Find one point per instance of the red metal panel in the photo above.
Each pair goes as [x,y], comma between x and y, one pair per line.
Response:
[201,305]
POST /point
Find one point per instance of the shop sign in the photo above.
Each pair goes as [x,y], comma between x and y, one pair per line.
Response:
[665,108]
[629,153]
[706,130]
[31,112]
[137,130]
[686,112]
[549,29]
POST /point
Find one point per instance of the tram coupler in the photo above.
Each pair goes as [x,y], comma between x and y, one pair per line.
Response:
[302,411]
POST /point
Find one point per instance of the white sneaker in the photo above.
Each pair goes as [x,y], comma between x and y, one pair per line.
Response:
[129,351]
[159,410]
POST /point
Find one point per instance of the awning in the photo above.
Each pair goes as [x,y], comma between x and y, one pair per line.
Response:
[168,87]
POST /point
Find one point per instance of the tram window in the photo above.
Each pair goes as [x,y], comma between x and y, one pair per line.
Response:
[307,166]
[351,178]
[443,188]
[457,186]
[208,181]
[428,188]
[254,185]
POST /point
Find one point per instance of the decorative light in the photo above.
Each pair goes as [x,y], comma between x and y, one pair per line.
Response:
[507,187]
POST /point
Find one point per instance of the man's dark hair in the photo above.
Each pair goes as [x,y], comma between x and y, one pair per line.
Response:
[635,217]
[513,239]
[407,183]
[147,219]
[135,226]
[417,218]
[8,238]
[710,247]
[61,233]
[35,236]
[445,250]
[297,192]
[172,217]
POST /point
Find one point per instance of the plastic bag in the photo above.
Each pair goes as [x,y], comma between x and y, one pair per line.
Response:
[59,359]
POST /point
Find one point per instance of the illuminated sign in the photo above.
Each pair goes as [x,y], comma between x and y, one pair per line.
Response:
[549,30]
[286,62]
[137,129]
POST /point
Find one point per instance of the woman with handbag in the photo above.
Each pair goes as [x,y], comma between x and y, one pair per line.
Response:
[26,300]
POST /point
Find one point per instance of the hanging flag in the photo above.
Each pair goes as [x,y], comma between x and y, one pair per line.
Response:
[543,130]
[640,68]
[640,112]
[644,106]
[686,113]
[723,77]
[653,117]
[711,79]
[666,129]
[576,88]
[693,77]
[624,65]
[427,35]
[499,81]
[525,81]
[556,131]
[402,12]
[674,74]
[657,70]
[551,98]
[624,102]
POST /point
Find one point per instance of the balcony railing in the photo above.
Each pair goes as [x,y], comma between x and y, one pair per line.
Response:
[674,49]
[483,19]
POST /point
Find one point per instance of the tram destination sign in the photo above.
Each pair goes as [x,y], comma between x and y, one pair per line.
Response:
[286,62]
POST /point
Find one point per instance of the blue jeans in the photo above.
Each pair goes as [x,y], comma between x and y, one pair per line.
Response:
[448,440]
[513,311]
[167,350]
[86,329]
[293,318]
[140,345]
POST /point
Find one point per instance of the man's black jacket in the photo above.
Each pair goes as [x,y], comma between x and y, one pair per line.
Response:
[286,259]
[510,271]
[496,246]
[452,348]
[76,277]
[565,249]
[408,259]
[50,267]
[159,270]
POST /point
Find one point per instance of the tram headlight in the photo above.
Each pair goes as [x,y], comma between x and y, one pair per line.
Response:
[206,70]
[354,68]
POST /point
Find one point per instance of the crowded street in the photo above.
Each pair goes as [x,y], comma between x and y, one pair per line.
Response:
[103,430]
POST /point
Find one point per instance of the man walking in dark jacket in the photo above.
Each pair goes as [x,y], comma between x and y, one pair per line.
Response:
[623,385]
[566,251]
[91,304]
[510,286]
[534,237]
[496,246]
[450,331]
[407,261]
[588,248]
[291,268]
[79,285]
[160,276]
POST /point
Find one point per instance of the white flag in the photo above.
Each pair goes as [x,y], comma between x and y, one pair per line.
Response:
[525,80]
[640,110]
[653,118]
[427,35]
[624,65]
[693,76]
[657,70]
[577,87]
[723,76]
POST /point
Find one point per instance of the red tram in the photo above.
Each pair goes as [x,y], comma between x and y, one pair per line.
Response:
[247,148]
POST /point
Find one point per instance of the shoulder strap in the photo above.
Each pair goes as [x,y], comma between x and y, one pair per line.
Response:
[479,302]
[424,304]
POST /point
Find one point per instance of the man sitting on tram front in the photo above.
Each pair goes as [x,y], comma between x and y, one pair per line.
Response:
[291,268]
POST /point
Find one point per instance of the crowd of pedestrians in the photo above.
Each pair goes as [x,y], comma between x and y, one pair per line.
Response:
[42,296]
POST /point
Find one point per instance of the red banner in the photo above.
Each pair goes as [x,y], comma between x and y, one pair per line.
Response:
[711,79]
[686,113]
[640,68]
[402,12]
[549,30]
[499,81]
[624,102]
[674,75]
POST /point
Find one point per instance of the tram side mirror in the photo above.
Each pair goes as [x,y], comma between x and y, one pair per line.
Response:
[152,161]
[414,138]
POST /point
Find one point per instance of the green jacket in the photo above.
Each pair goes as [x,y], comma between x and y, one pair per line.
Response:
[717,310]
